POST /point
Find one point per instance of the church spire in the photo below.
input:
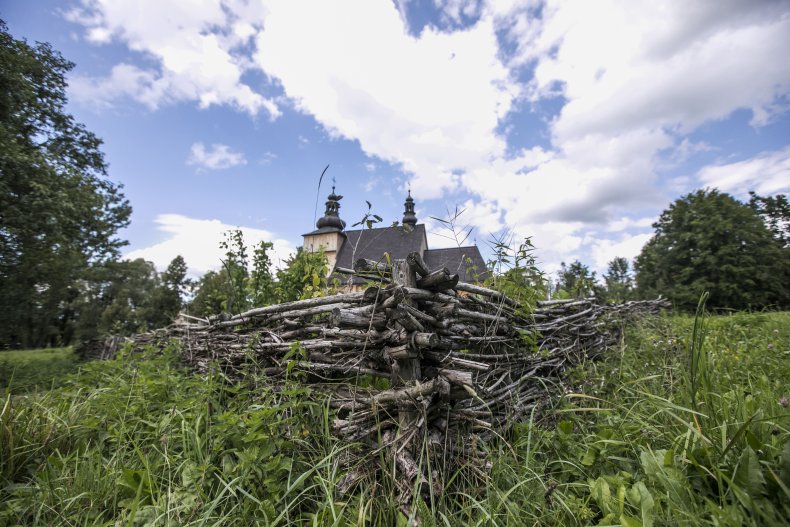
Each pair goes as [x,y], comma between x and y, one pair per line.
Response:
[331,218]
[409,217]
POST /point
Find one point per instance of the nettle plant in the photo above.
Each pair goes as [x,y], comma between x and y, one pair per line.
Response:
[514,271]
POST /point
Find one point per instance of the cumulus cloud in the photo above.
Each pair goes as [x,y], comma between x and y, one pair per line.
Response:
[630,81]
[197,240]
[215,157]
[429,104]
[626,246]
[197,50]
[766,174]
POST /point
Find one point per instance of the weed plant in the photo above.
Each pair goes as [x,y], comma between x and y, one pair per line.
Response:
[685,423]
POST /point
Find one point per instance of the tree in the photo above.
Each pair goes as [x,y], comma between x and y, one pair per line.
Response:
[210,295]
[119,298]
[708,241]
[775,213]
[618,284]
[576,281]
[168,297]
[304,276]
[236,288]
[59,213]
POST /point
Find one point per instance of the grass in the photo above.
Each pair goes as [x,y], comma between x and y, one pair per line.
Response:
[26,371]
[686,423]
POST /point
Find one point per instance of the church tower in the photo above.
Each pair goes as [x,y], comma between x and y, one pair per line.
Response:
[329,232]
[409,217]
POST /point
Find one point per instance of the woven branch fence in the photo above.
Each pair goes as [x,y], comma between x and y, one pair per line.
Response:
[460,362]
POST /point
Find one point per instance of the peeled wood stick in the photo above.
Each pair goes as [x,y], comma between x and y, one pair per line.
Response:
[299,304]
[478,290]
[411,393]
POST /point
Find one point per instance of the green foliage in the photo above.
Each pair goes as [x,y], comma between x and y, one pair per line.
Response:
[775,212]
[59,213]
[239,284]
[26,371]
[514,271]
[126,297]
[618,283]
[139,441]
[708,241]
[575,281]
[304,276]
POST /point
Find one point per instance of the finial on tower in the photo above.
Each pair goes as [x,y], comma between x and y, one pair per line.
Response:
[409,217]
[331,217]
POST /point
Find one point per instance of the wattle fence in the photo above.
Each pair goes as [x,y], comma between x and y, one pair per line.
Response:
[417,365]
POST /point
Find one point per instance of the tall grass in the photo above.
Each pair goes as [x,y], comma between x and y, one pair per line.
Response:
[684,424]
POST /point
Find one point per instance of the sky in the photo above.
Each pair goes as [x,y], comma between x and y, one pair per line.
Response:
[574,123]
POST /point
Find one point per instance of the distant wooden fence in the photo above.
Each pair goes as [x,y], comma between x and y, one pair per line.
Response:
[460,360]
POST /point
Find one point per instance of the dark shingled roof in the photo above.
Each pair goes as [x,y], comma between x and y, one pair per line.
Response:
[373,243]
[399,242]
[467,262]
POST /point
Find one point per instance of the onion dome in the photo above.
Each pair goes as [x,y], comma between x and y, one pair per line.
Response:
[331,219]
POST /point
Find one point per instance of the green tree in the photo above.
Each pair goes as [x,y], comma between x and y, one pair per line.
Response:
[169,295]
[260,285]
[708,241]
[576,281]
[59,213]
[211,295]
[119,298]
[618,283]
[304,276]
[775,212]
[236,286]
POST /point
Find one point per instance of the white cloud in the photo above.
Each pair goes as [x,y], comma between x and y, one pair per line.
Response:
[197,49]
[632,80]
[216,157]
[197,240]
[429,104]
[627,246]
[766,174]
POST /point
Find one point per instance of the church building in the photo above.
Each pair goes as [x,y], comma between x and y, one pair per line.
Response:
[343,247]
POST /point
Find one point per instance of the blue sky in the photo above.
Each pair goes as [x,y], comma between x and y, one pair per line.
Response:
[575,123]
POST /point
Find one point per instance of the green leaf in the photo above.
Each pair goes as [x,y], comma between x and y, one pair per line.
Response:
[749,474]
[565,427]
[639,496]
[589,457]
[630,521]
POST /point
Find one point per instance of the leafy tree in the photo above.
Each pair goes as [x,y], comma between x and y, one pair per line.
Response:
[210,295]
[235,267]
[236,287]
[304,276]
[261,286]
[708,241]
[575,281]
[168,297]
[618,283]
[775,212]
[59,213]
[119,298]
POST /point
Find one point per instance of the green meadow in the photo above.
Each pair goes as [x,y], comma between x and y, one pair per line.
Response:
[686,422]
